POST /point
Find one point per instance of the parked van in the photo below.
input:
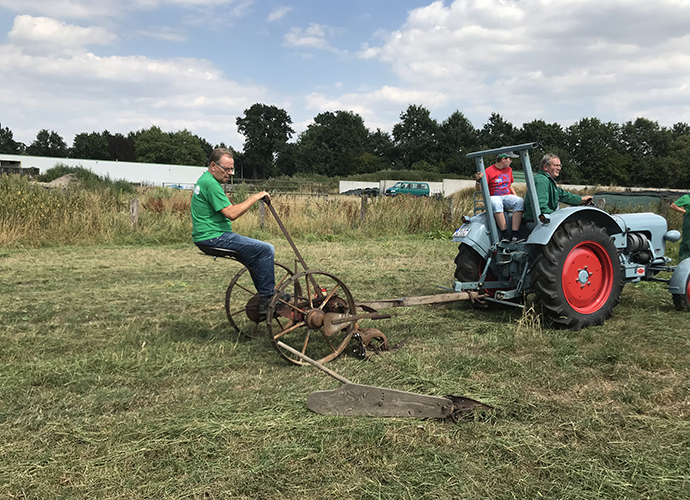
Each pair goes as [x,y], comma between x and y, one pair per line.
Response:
[413,188]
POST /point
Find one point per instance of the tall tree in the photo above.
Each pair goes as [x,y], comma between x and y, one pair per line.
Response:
[595,150]
[498,132]
[333,144]
[91,146]
[266,129]
[457,137]
[380,145]
[48,144]
[121,148]
[646,142]
[153,146]
[170,148]
[206,146]
[187,149]
[675,165]
[416,136]
[7,143]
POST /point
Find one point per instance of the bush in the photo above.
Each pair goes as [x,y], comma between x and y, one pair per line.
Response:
[88,179]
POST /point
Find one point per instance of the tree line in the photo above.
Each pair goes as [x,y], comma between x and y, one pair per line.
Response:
[636,153]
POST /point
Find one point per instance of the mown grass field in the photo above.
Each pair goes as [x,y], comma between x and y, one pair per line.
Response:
[120,378]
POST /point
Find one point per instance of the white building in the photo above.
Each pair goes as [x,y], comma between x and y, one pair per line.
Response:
[152,174]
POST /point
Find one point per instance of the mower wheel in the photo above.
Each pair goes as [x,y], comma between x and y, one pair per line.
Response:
[242,301]
[577,276]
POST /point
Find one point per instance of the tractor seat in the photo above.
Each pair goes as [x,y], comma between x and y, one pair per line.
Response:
[219,252]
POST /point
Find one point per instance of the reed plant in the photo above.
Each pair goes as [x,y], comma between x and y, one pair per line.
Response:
[33,216]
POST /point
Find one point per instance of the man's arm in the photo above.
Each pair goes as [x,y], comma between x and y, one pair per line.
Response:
[678,209]
[232,212]
[569,198]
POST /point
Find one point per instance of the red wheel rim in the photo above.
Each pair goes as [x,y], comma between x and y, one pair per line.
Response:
[587,277]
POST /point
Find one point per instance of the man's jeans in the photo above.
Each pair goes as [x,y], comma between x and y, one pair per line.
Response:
[256,255]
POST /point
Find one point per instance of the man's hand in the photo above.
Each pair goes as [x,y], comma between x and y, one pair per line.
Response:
[478,176]
[263,195]
[586,200]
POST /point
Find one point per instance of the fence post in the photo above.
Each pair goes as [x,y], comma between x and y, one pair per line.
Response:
[363,209]
[134,212]
[262,214]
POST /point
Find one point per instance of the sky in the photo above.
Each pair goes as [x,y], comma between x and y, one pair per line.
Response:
[76,66]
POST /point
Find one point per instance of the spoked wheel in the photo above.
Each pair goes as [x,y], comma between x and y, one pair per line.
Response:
[314,320]
[682,300]
[578,277]
[242,301]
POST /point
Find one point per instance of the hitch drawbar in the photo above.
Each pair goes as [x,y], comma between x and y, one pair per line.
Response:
[356,399]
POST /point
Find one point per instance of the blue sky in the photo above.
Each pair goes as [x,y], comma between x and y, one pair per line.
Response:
[79,66]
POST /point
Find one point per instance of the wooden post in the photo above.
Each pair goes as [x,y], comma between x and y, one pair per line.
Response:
[134,212]
[449,213]
[363,208]
[262,214]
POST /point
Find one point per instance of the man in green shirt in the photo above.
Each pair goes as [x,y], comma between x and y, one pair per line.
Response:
[548,193]
[212,214]
[681,205]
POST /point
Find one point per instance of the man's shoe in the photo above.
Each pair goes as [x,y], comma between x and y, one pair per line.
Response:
[265,301]
[263,307]
[517,240]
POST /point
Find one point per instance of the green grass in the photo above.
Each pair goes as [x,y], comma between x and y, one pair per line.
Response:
[120,378]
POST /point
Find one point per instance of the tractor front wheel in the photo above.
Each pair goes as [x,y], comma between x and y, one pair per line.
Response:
[577,276]
[681,300]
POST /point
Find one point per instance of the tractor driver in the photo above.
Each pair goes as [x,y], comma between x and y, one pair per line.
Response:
[499,176]
[212,214]
[548,194]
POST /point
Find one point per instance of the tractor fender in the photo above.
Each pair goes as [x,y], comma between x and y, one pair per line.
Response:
[680,278]
[475,234]
[543,233]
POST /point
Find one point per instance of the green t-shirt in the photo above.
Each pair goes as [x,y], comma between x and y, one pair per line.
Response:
[549,195]
[207,202]
[684,202]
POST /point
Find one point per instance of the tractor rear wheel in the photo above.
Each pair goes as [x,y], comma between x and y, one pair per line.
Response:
[468,264]
[681,301]
[577,276]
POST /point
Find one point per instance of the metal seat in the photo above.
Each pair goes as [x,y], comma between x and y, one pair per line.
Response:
[219,252]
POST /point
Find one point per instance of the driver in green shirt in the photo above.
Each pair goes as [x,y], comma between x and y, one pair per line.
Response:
[212,216]
[681,205]
[548,193]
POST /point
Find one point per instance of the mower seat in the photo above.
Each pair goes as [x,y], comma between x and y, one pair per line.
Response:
[219,252]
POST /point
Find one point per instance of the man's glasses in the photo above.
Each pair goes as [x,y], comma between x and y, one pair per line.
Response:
[225,169]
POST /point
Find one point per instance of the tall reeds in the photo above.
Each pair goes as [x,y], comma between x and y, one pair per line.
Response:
[34,216]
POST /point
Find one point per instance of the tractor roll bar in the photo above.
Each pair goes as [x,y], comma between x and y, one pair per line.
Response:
[529,179]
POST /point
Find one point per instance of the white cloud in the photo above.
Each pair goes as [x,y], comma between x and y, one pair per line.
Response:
[316,36]
[88,9]
[373,106]
[73,91]
[278,13]
[550,57]
[46,32]
[166,33]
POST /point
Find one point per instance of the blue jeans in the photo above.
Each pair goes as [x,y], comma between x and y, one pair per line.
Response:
[256,255]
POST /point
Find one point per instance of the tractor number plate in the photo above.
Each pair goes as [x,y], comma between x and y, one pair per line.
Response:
[462,232]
